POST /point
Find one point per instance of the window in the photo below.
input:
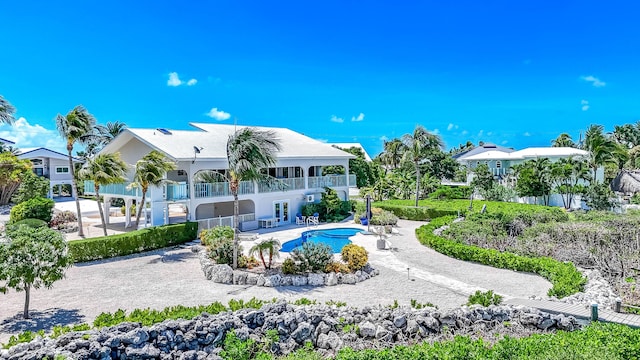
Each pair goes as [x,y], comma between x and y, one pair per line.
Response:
[62,169]
[36,162]
[38,171]
[498,164]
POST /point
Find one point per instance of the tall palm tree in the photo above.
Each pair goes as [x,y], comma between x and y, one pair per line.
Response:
[601,149]
[563,140]
[6,111]
[150,171]
[249,150]
[77,126]
[392,153]
[104,169]
[417,145]
[110,131]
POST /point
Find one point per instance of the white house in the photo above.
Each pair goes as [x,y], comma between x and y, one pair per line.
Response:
[500,161]
[299,167]
[51,165]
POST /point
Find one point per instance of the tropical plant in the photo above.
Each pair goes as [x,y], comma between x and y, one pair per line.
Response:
[354,256]
[563,140]
[392,154]
[150,171]
[36,208]
[110,131]
[104,169]
[269,247]
[483,178]
[249,151]
[601,149]
[33,258]
[312,256]
[31,186]
[77,126]
[418,144]
[6,111]
[568,175]
[534,179]
[12,171]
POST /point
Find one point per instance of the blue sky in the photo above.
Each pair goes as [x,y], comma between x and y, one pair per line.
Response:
[516,73]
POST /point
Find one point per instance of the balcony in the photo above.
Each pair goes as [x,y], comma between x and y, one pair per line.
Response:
[113,189]
[285,185]
[327,181]
[206,190]
[174,192]
[352,180]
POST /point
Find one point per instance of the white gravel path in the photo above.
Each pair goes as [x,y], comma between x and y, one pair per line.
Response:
[172,276]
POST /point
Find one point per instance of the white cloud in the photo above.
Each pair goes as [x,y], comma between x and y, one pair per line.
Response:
[464,132]
[593,80]
[504,142]
[336,119]
[174,80]
[451,126]
[26,135]
[360,117]
[219,115]
[526,134]
[585,105]
[436,132]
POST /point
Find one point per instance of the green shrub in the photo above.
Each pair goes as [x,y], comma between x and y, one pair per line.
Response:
[446,192]
[222,251]
[33,223]
[289,266]
[132,210]
[337,267]
[36,208]
[209,236]
[566,279]
[313,257]
[132,242]
[31,186]
[486,298]
[354,256]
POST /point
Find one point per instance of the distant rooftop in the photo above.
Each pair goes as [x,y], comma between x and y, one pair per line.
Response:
[481,149]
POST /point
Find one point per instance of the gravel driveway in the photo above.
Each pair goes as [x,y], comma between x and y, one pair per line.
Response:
[172,276]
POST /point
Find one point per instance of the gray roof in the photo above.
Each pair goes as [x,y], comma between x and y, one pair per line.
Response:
[211,139]
[627,182]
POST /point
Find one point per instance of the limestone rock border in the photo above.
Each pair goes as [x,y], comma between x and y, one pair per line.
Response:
[224,274]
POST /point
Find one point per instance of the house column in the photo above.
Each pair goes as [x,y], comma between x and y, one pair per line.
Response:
[127,212]
[346,171]
[106,204]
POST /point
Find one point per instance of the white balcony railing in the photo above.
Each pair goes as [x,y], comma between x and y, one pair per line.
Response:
[327,181]
[205,190]
[283,185]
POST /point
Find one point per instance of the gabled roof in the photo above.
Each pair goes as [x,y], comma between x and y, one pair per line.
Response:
[5,141]
[528,153]
[491,155]
[481,149]
[350,145]
[211,140]
[30,153]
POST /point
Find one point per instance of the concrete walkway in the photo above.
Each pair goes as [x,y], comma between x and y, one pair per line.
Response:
[169,277]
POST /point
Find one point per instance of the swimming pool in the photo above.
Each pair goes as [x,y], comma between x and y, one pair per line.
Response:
[337,238]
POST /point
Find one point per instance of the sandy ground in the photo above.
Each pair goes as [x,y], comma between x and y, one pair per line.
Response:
[173,276]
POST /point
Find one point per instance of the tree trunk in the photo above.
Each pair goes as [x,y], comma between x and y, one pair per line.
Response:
[140,207]
[236,210]
[417,183]
[27,294]
[74,190]
[104,223]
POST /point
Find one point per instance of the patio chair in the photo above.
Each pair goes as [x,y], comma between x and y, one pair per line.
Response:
[300,219]
[313,220]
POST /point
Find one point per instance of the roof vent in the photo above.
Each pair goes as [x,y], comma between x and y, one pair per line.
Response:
[164,131]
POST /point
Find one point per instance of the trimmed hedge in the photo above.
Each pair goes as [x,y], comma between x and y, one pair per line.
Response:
[417,213]
[132,242]
[564,277]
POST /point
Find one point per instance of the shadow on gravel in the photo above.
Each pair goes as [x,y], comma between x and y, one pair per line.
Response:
[296,289]
[172,257]
[44,320]
[164,252]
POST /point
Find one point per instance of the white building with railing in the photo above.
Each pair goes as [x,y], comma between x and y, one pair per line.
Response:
[301,170]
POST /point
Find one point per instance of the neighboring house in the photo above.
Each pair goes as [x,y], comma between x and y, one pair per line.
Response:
[299,167]
[501,161]
[51,165]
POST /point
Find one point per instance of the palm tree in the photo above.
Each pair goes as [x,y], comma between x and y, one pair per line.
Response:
[392,154]
[249,151]
[602,150]
[110,131]
[77,126]
[104,169]
[563,140]
[417,145]
[270,247]
[150,171]
[6,111]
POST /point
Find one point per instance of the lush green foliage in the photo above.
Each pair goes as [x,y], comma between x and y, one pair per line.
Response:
[33,223]
[445,192]
[330,209]
[33,258]
[288,266]
[267,248]
[486,298]
[566,279]
[354,256]
[12,171]
[132,242]
[36,208]
[312,257]
[221,251]
[31,186]
[210,236]
[600,197]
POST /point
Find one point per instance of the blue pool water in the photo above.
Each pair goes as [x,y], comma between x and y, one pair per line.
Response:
[336,238]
